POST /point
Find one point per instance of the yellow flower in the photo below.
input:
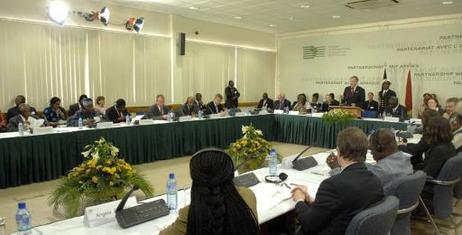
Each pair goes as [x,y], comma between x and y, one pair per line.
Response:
[94,179]
[92,163]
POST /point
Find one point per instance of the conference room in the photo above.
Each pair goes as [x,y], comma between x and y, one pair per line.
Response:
[230,117]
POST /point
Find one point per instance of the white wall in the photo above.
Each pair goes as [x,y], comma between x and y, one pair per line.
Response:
[366,51]
[172,77]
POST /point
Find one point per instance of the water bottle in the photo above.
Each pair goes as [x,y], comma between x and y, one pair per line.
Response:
[200,114]
[23,219]
[80,123]
[273,163]
[286,110]
[172,194]
[315,109]
[21,128]
[127,119]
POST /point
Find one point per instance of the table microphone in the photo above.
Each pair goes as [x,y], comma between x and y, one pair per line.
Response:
[125,198]
[245,180]
[304,163]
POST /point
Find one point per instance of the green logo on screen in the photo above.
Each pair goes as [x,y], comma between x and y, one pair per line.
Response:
[311,52]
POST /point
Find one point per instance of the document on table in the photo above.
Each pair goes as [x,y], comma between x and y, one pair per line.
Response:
[269,195]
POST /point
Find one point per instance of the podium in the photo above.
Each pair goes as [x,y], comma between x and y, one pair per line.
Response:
[355,111]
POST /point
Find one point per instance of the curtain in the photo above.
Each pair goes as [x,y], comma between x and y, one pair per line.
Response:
[255,73]
[205,69]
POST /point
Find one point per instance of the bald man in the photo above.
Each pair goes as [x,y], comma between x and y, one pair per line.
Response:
[282,102]
[23,117]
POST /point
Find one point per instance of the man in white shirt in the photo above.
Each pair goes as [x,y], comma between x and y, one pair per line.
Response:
[23,117]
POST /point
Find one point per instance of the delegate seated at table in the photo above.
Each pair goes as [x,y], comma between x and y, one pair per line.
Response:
[118,112]
[394,109]
[391,163]
[23,117]
[217,206]
[14,111]
[54,113]
[87,113]
[336,201]
[159,110]
[215,106]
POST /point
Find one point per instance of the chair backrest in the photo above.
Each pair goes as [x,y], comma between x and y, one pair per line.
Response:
[442,194]
[408,189]
[377,220]
[458,186]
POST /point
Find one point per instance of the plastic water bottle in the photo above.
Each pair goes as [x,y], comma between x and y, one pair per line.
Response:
[21,128]
[273,163]
[127,119]
[172,193]
[23,219]
[200,114]
[80,123]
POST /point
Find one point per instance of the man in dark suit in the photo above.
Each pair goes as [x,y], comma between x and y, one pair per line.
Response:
[315,104]
[265,102]
[282,103]
[394,109]
[384,95]
[354,95]
[73,108]
[87,113]
[232,96]
[159,110]
[189,108]
[198,101]
[371,104]
[340,197]
[25,111]
[118,112]
[215,105]
[330,101]
[14,111]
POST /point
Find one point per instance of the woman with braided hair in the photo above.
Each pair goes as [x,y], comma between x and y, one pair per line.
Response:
[217,207]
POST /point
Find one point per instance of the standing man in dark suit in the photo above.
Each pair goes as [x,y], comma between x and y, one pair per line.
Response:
[282,103]
[118,112]
[384,95]
[340,197]
[215,106]
[265,102]
[394,109]
[354,95]
[232,96]
[159,110]
[14,111]
[73,108]
[371,104]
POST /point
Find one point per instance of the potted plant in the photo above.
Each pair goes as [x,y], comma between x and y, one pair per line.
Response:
[250,151]
[337,116]
[102,177]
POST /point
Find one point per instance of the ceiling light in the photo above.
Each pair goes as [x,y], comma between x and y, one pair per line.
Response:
[272,25]
[237,17]
[446,2]
[194,8]
[304,6]
[58,12]
[335,17]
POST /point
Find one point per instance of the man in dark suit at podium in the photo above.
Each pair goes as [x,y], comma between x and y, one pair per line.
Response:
[384,95]
[354,95]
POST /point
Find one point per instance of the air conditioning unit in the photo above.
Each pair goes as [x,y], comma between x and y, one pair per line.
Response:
[371,4]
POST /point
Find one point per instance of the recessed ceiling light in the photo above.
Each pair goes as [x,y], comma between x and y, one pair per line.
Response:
[291,18]
[272,25]
[335,17]
[304,5]
[237,17]
[446,2]
[194,8]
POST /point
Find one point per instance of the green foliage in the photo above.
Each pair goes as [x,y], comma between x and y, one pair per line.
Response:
[102,177]
[337,116]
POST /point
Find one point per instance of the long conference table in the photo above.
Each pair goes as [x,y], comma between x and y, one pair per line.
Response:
[42,157]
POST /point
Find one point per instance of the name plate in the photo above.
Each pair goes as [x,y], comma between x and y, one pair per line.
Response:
[43,130]
[391,119]
[278,111]
[216,115]
[146,122]
[294,112]
[241,114]
[185,118]
[104,213]
[104,124]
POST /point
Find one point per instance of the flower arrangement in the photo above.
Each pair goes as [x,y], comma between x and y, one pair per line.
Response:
[250,151]
[102,177]
[337,116]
